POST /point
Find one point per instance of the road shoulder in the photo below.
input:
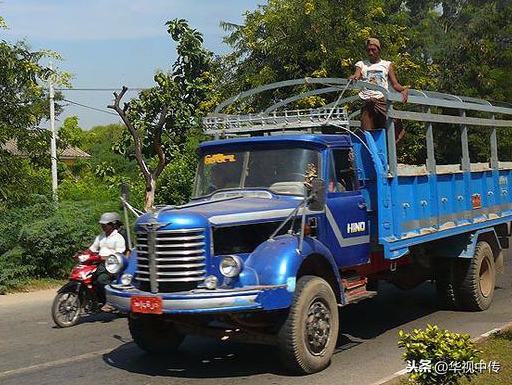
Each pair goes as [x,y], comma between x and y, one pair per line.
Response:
[27,298]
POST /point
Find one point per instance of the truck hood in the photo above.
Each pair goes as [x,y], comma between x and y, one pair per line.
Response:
[223,212]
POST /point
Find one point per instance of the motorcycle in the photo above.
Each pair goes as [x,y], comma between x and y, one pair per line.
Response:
[78,296]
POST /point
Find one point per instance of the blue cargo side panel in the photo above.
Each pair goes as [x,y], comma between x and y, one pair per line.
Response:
[459,202]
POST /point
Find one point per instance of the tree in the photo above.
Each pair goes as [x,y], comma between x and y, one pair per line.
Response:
[161,118]
[454,46]
[470,42]
[477,50]
[287,39]
[70,133]
[23,105]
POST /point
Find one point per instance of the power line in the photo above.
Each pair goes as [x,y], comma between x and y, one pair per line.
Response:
[89,107]
[101,89]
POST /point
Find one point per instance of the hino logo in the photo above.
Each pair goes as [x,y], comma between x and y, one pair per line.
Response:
[356,227]
[152,225]
[149,227]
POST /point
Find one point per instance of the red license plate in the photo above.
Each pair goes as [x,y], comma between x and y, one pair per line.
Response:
[146,305]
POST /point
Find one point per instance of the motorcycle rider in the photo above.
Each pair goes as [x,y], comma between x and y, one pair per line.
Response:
[108,243]
[124,233]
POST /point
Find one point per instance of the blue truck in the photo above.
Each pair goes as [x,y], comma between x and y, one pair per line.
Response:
[296,213]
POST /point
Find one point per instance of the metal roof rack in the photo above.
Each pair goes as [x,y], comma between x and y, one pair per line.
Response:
[274,119]
[277,121]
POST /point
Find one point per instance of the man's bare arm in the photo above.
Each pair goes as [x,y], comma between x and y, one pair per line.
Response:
[356,75]
[396,85]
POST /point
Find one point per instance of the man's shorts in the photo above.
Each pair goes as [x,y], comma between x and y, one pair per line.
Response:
[374,116]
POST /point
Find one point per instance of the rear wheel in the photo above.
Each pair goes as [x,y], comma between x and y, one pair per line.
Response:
[66,309]
[154,334]
[477,279]
[308,336]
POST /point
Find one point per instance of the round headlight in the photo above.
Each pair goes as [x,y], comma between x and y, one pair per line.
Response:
[114,263]
[230,266]
[126,279]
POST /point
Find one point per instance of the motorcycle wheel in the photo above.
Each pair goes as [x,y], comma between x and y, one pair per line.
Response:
[66,309]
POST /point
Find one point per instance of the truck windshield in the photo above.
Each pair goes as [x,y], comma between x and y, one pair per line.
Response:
[282,171]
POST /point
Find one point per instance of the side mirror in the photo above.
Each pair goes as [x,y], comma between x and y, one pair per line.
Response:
[317,197]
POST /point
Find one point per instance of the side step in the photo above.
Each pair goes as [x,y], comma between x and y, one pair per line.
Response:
[355,289]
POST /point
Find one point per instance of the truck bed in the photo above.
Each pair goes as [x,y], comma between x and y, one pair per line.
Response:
[414,206]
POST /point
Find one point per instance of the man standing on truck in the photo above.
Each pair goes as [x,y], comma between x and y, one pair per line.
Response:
[379,72]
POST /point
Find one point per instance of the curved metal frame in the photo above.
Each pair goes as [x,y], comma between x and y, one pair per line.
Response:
[317,117]
[429,98]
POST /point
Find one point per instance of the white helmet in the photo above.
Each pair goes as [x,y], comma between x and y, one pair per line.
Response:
[109,218]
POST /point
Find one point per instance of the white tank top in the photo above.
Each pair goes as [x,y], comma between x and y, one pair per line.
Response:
[374,73]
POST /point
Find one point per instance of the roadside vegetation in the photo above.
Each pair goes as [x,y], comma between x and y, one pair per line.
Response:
[461,47]
[488,362]
[37,284]
[497,348]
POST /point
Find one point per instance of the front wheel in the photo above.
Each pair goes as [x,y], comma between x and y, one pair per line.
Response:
[308,336]
[66,308]
[154,334]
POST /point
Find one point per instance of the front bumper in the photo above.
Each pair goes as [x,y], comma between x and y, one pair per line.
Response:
[270,297]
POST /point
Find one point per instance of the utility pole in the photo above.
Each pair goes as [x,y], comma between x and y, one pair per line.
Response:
[53,147]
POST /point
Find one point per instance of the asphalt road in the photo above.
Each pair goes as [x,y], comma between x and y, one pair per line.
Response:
[99,350]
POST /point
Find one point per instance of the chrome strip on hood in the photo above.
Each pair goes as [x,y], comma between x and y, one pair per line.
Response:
[248,217]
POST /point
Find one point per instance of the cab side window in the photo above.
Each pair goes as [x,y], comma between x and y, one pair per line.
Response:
[343,170]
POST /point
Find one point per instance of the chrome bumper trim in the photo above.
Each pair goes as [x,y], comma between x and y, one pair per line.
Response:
[119,297]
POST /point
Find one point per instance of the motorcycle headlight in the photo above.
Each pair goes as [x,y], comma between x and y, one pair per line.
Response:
[83,257]
[126,279]
[230,266]
[114,263]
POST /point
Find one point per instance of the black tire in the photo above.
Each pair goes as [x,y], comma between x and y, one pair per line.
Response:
[477,279]
[314,314]
[154,334]
[444,276]
[66,308]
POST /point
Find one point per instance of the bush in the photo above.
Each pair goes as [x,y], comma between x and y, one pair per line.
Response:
[39,243]
[174,186]
[12,220]
[20,181]
[434,345]
[14,270]
[88,188]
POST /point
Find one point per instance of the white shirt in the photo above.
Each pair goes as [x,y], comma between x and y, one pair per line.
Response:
[374,73]
[107,245]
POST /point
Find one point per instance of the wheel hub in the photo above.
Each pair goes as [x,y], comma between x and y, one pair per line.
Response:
[318,327]
[68,308]
[485,278]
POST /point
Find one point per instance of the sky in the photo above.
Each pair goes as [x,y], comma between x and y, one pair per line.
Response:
[111,43]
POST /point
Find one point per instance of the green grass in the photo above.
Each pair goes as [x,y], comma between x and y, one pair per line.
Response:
[33,284]
[497,347]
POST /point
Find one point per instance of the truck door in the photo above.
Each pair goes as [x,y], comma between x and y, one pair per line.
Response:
[347,228]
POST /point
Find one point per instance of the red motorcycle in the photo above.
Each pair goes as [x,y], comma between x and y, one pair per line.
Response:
[78,296]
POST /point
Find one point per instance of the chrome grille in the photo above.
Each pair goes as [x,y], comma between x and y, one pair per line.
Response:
[179,257]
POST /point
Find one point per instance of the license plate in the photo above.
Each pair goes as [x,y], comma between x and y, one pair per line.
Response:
[146,305]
